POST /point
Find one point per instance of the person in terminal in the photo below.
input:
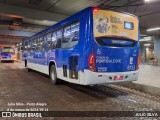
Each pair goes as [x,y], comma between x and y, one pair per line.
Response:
[155,61]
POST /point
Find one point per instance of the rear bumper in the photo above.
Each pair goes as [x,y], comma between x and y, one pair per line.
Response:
[7,60]
[102,78]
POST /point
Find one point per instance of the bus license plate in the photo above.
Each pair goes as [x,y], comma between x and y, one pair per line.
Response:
[118,77]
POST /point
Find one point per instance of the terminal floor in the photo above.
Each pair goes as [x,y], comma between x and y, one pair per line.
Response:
[19,86]
[149,75]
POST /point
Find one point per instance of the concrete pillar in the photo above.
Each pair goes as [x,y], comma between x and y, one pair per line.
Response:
[143,51]
[157,47]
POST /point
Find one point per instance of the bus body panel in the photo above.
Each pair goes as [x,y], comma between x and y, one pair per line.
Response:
[110,59]
[72,63]
[92,78]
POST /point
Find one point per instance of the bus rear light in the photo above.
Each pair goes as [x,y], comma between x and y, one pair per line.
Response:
[91,62]
[13,57]
[138,62]
[95,9]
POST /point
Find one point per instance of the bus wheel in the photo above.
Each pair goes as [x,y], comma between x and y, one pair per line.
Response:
[53,74]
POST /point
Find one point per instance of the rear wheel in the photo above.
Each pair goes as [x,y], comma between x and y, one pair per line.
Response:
[53,74]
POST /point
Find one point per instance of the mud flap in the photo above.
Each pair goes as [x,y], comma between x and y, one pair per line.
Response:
[73,63]
[65,70]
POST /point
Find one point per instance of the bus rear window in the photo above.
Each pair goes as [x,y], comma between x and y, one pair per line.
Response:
[128,25]
[8,50]
[115,42]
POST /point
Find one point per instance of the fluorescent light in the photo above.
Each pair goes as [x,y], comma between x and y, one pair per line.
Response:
[153,29]
[147,0]
[147,45]
[147,49]
[146,39]
[143,35]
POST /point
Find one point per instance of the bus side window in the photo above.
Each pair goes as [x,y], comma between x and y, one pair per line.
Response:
[37,42]
[75,31]
[58,38]
[49,39]
[45,46]
[45,37]
[67,36]
[43,41]
[71,35]
[40,42]
[53,39]
[33,44]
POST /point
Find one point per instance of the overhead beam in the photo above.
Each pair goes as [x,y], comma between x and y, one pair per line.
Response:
[16,33]
[18,11]
[8,22]
[127,4]
[10,41]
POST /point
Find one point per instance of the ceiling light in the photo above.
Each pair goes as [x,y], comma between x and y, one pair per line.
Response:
[146,39]
[153,29]
[147,49]
[148,44]
[147,0]
[143,35]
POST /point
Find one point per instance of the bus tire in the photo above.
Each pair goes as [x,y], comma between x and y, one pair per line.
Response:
[53,74]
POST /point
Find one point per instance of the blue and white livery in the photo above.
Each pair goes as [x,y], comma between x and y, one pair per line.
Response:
[91,47]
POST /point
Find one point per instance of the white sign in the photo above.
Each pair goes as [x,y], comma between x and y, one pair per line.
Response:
[103,59]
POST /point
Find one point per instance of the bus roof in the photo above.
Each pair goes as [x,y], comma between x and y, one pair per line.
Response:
[69,19]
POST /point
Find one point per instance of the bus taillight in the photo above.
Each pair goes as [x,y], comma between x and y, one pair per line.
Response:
[91,62]
[13,56]
[95,9]
[138,62]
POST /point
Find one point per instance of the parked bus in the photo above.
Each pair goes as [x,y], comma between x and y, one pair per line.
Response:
[91,47]
[7,54]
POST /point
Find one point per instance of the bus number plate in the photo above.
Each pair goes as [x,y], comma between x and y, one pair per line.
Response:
[118,77]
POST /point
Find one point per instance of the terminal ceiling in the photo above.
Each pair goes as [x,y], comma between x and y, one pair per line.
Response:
[22,18]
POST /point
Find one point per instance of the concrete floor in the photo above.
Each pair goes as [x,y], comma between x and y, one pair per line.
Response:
[19,86]
[149,75]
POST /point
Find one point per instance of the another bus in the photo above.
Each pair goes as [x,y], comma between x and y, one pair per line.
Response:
[91,47]
[7,54]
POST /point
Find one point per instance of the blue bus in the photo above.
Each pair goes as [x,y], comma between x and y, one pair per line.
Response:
[7,54]
[94,46]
